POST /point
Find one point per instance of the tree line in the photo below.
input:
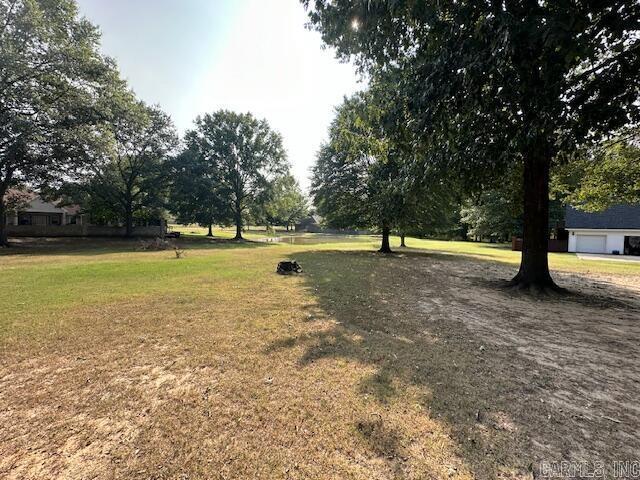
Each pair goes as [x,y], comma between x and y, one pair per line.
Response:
[471,96]
[72,128]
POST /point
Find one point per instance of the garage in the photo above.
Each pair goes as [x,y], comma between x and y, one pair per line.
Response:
[591,243]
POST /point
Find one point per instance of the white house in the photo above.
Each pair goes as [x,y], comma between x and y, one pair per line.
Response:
[615,230]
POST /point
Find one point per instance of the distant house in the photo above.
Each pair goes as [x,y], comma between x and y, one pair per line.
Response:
[311,224]
[40,218]
[615,230]
[42,213]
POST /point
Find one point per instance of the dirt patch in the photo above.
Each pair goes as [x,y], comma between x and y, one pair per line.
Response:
[521,380]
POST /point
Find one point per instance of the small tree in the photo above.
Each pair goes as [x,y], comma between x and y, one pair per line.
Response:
[246,153]
[287,204]
[53,81]
[15,200]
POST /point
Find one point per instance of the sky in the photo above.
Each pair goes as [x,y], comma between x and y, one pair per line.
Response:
[197,56]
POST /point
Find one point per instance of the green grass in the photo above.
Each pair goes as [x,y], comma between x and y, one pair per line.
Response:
[37,286]
[502,253]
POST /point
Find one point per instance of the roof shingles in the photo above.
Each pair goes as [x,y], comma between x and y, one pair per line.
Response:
[622,217]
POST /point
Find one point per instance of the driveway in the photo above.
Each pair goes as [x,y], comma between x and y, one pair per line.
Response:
[602,256]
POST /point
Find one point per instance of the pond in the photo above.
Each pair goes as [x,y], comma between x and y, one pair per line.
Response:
[318,238]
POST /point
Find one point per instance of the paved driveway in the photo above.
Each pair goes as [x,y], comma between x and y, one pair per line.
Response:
[601,256]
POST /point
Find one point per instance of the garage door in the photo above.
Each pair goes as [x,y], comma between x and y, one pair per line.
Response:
[591,243]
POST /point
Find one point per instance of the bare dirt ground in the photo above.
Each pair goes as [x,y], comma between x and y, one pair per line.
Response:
[411,366]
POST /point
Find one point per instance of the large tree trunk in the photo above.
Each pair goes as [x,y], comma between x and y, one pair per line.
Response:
[4,241]
[128,223]
[534,266]
[210,232]
[238,224]
[385,248]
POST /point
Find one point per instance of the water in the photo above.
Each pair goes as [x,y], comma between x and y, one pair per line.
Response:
[317,238]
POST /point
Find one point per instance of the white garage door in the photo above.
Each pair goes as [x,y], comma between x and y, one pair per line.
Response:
[591,243]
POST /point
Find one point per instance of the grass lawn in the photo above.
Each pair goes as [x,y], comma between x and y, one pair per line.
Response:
[119,363]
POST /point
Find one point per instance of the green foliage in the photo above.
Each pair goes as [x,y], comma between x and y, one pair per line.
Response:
[353,178]
[245,153]
[492,215]
[287,204]
[53,87]
[363,175]
[488,85]
[196,196]
[605,176]
[131,179]
[486,81]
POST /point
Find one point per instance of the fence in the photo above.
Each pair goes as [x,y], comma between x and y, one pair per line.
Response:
[81,231]
[555,245]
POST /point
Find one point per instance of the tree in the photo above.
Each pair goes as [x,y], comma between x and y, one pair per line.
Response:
[15,200]
[360,179]
[287,204]
[495,213]
[132,181]
[246,153]
[196,196]
[352,182]
[603,177]
[494,83]
[52,84]
[492,215]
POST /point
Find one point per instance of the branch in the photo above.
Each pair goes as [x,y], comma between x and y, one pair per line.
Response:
[9,12]
[603,64]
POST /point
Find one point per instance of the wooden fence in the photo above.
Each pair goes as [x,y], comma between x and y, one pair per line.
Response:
[555,245]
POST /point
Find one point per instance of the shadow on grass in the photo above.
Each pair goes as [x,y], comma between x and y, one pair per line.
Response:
[592,299]
[489,397]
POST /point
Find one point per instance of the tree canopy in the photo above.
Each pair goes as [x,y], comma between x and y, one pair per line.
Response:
[606,175]
[246,154]
[287,204]
[131,179]
[196,196]
[361,180]
[491,83]
[353,178]
[53,87]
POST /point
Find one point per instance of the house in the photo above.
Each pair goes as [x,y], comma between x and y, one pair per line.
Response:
[312,224]
[36,217]
[39,212]
[615,230]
